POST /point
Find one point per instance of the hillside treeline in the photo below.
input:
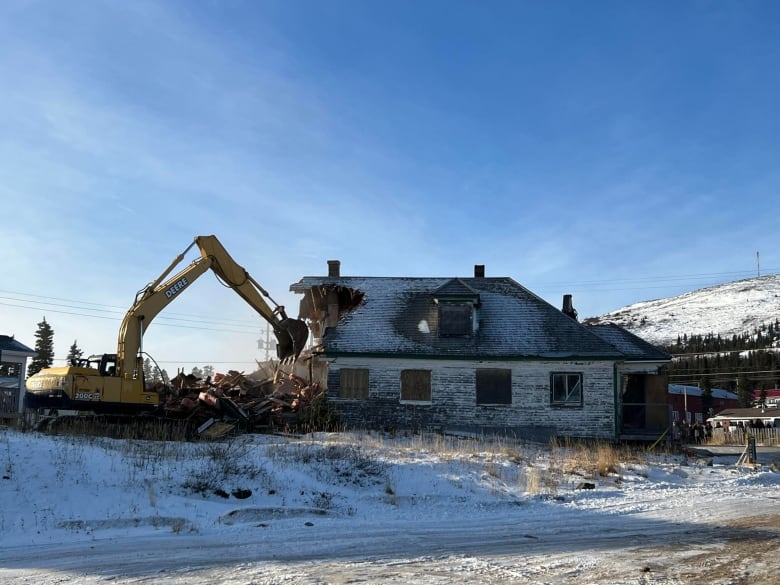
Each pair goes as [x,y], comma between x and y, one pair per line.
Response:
[740,363]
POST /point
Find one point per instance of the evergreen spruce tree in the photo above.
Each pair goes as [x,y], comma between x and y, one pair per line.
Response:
[156,377]
[147,369]
[197,372]
[744,391]
[44,346]
[74,353]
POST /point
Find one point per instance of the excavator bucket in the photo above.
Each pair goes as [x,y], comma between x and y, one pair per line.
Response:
[291,339]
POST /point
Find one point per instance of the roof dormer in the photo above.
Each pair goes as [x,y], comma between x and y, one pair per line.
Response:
[458,304]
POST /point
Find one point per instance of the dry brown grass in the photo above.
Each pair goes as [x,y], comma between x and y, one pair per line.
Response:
[607,460]
[590,458]
[533,480]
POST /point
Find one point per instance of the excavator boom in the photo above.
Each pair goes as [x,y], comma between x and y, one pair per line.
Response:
[291,334]
[115,382]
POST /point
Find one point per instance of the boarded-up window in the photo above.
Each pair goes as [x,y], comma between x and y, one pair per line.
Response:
[494,386]
[566,389]
[455,319]
[353,383]
[416,385]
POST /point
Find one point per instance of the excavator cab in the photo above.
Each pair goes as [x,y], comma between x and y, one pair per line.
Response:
[107,365]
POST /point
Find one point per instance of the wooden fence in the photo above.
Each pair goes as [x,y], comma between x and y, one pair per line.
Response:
[738,436]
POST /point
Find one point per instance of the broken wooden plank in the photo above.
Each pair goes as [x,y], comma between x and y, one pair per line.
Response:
[217,430]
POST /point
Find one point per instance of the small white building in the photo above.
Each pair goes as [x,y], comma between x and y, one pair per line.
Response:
[13,365]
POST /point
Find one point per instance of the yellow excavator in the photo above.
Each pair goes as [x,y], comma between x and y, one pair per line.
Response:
[114,383]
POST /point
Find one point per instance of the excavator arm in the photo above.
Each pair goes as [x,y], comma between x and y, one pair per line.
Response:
[291,334]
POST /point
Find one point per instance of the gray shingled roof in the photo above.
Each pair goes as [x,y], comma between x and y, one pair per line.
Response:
[399,317]
[748,412]
[8,343]
[455,288]
[633,347]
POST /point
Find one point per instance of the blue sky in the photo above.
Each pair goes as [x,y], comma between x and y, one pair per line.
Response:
[617,151]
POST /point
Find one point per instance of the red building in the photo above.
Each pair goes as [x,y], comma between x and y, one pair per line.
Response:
[772,398]
[686,402]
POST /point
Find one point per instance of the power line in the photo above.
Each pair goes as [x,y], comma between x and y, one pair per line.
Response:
[57,311]
[160,324]
[113,313]
[76,304]
[112,310]
[669,278]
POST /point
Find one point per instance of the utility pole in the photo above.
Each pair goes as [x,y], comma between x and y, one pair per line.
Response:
[267,344]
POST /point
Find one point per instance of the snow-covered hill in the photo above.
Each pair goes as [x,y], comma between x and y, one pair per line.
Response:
[727,309]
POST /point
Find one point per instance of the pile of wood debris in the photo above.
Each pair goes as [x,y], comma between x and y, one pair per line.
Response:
[266,400]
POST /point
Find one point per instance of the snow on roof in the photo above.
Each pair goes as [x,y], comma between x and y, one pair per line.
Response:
[455,287]
[8,343]
[398,315]
[696,391]
[749,413]
[628,343]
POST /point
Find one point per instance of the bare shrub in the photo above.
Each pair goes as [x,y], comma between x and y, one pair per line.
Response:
[319,415]
[220,462]
[333,462]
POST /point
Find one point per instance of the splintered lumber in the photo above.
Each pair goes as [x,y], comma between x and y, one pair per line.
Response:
[266,399]
[209,400]
[214,429]
[233,410]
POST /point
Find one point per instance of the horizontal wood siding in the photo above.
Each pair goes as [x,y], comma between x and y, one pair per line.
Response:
[454,406]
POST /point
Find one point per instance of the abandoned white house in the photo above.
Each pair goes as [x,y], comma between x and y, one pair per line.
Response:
[480,355]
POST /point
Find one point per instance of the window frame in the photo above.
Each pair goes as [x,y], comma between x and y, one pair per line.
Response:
[566,376]
[359,391]
[448,322]
[500,377]
[403,380]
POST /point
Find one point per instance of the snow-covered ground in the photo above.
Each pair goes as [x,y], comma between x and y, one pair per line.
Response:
[367,508]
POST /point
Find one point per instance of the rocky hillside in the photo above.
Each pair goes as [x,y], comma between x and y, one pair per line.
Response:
[727,309]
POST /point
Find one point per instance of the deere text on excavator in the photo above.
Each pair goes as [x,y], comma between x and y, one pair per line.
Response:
[114,383]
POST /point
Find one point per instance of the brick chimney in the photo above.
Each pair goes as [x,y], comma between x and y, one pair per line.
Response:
[479,271]
[334,269]
[568,309]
